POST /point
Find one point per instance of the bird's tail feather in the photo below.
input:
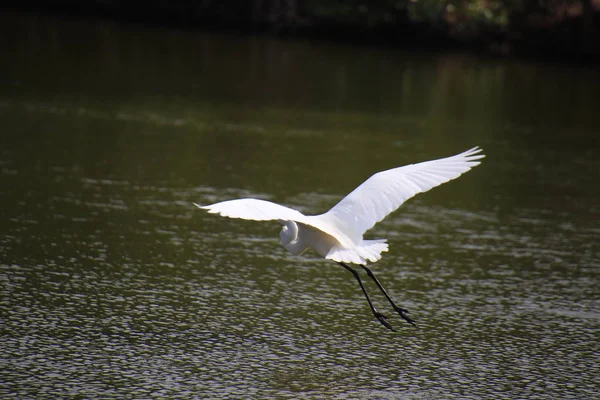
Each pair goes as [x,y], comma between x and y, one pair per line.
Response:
[368,250]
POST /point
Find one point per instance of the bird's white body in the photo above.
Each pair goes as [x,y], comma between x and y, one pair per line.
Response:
[338,234]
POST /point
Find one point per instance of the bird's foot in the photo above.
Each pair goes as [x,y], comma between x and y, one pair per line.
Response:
[403,313]
[383,319]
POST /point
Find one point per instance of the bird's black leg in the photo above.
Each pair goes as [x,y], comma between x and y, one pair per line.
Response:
[380,317]
[399,310]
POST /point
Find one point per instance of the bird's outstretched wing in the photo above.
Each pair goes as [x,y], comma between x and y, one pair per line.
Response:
[385,191]
[262,210]
[253,209]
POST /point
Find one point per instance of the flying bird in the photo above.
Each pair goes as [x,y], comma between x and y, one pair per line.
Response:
[338,234]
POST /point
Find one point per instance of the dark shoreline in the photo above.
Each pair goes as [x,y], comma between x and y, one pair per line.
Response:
[559,43]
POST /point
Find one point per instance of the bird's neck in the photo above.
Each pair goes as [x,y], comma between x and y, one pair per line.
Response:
[290,238]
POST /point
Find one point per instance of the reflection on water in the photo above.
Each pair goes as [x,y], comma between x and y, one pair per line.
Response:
[113,285]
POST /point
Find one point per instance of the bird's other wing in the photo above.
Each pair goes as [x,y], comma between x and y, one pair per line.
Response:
[262,210]
[385,191]
[253,209]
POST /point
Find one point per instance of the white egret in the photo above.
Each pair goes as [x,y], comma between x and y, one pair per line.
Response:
[338,234]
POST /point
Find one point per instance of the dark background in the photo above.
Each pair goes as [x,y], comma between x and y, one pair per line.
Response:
[565,30]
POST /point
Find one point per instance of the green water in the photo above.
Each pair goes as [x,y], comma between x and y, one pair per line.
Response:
[113,285]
